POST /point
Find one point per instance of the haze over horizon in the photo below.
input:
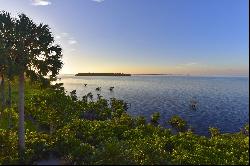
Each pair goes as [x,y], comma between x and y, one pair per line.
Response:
[196,37]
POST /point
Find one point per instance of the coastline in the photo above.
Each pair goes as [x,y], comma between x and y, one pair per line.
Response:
[102,74]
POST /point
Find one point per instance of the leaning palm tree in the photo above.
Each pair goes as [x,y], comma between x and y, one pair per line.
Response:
[35,55]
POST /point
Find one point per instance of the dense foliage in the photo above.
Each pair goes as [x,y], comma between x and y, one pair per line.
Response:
[27,49]
[101,132]
[86,131]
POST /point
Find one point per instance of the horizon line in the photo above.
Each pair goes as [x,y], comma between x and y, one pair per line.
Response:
[232,75]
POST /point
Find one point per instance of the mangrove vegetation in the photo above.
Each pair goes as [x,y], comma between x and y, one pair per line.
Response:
[39,120]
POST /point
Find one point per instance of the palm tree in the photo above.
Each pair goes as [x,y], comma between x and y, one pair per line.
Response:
[2,62]
[2,84]
[10,73]
[7,67]
[2,67]
[35,55]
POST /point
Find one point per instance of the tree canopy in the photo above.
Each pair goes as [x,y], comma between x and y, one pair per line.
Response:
[27,49]
[28,46]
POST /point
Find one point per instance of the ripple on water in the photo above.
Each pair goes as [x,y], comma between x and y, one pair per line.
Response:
[223,102]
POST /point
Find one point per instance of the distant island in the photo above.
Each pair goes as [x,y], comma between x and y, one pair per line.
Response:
[157,74]
[102,74]
[150,74]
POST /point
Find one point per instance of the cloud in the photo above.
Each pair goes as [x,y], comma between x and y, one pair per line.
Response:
[191,63]
[99,1]
[186,65]
[64,34]
[58,37]
[65,38]
[72,42]
[40,2]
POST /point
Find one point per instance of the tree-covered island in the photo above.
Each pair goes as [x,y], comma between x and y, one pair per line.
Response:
[102,74]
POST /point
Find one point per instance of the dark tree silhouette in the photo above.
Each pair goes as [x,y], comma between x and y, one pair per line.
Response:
[7,64]
[33,54]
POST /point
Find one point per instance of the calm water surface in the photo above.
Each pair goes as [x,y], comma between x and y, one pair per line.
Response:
[222,102]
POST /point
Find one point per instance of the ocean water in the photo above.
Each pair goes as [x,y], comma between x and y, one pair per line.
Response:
[222,102]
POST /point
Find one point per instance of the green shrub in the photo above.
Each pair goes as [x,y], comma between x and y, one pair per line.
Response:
[8,147]
[111,135]
[38,146]
[214,131]
[178,123]
[140,120]
[155,117]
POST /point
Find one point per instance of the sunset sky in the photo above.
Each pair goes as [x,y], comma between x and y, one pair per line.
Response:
[146,36]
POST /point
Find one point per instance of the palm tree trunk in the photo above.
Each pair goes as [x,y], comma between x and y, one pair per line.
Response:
[2,91]
[9,89]
[9,104]
[21,131]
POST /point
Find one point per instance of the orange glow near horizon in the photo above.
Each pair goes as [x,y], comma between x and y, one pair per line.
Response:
[194,70]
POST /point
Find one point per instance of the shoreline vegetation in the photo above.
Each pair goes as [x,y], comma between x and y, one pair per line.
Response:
[39,120]
[78,130]
[102,74]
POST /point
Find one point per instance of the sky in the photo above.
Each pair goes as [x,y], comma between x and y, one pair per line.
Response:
[196,37]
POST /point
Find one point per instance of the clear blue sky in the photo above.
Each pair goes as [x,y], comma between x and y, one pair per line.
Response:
[146,36]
